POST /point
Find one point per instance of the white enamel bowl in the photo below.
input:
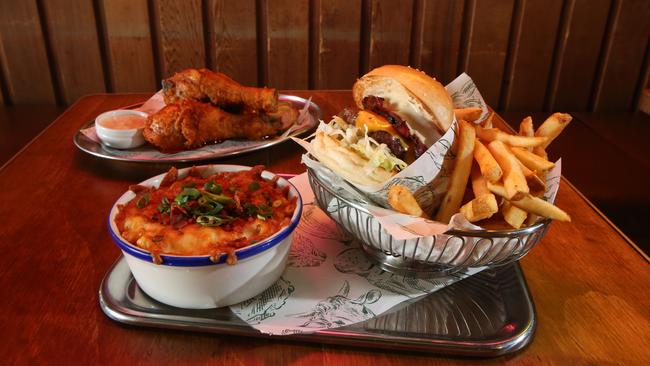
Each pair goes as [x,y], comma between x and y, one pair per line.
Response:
[195,282]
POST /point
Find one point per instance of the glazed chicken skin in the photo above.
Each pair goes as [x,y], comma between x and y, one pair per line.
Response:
[205,85]
[188,124]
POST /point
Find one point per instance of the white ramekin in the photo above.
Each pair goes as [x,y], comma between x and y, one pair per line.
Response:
[120,139]
[195,282]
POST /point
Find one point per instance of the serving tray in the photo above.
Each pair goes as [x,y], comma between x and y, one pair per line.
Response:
[486,315]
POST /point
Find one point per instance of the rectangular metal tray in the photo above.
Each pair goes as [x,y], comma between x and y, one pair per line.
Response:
[486,315]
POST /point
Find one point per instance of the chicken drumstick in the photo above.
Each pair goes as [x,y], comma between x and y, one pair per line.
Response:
[205,85]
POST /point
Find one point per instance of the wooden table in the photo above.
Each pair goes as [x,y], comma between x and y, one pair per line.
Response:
[590,287]
[20,124]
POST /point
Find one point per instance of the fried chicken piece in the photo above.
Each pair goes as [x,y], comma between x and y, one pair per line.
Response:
[190,124]
[205,85]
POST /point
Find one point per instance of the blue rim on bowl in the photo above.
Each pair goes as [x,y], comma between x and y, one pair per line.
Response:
[204,260]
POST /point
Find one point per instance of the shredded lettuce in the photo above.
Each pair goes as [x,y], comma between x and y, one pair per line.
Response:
[357,140]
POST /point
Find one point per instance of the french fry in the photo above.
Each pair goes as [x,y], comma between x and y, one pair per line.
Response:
[535,183]
[484,205]
[532,161]
[513,215]
[540,207]
[488,165]
[541,152]
[480,208]
[526,129]
[531,219]
[498,189]
[532,204]
[468,114]
[458,181]
[553,126]
[479,183]
[513,177]
[495,134]
[488,121]
[403,201]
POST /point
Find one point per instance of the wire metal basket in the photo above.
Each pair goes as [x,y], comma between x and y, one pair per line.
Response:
[432,256]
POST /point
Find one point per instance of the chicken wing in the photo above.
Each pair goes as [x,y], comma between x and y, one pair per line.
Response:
[205,85]
[189,124]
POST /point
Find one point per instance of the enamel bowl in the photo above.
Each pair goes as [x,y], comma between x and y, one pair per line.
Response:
[120,138]
[196,282]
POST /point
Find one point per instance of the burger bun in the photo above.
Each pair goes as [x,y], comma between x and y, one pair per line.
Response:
[420,100]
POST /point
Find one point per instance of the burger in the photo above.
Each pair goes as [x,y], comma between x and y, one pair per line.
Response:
[400,112]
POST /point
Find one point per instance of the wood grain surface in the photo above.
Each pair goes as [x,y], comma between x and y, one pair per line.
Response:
[530,55]
[487,45]
[389,32]
[589,286]
[179,33]
[23,54]
[76,53]
[526,55]
[232,39]
[20,124]
[437,38]
[336,27]
[287,40]
[582,40]
[129,48]
[623,64]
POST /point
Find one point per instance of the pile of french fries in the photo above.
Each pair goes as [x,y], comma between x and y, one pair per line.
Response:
[507,174]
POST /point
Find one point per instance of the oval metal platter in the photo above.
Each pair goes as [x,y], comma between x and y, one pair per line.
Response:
[228,148]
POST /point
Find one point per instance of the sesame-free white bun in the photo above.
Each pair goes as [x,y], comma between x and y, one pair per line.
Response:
[420,100]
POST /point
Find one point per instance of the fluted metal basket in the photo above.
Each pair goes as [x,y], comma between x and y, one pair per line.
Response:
[439,255]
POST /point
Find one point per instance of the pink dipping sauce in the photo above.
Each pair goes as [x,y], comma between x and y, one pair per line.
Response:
[123,122]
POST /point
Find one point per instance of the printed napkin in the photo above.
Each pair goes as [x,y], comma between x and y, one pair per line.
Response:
[329,282]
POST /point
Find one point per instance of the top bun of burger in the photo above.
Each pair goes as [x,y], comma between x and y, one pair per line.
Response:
[418,99]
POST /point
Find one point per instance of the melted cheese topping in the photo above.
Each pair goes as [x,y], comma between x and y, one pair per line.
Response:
[253,209]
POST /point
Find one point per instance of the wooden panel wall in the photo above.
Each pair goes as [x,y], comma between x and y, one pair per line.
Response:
[526,55]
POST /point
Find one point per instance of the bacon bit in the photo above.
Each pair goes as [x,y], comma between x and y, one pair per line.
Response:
[274,180]
[170,177]
[257,170]
[232,256]
[137,188]
[194,172]
[237,202]
[156,258]
[178,222]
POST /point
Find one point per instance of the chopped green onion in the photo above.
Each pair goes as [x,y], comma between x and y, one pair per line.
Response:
[207,220]
[223,199]
[254,186]
[265,211]
[212,187]
[164,205]
[187,195]
[207,207]
[143,201]
[251,209]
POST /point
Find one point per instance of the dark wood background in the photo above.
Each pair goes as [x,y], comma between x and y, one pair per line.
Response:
[525,55]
